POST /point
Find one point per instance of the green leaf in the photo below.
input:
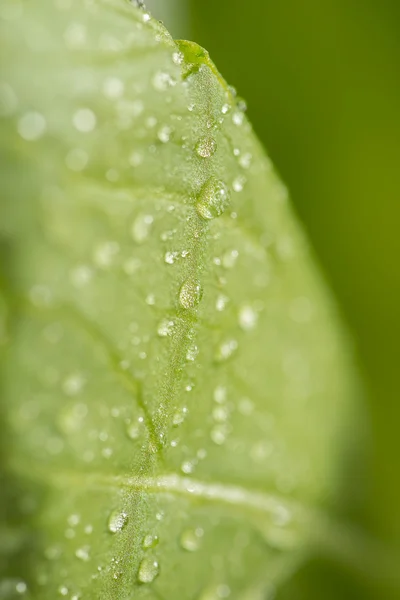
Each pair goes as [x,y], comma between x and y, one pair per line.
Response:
[176,384]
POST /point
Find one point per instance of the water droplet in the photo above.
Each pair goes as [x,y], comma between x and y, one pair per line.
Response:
[21,587]
[164,134]
[190,294]
[192,353]
[246,406]
[187,467]
[229,259]
[148,570]
[223,591]
[165,328]
[226,350]
[245,160]
[170,257]
[73,384]
[206,147]
[221,302]
[131,265]
[238,118]
[220,414]
[83,553]
[220,394]
[107,452]
[281,516]
[218,434]
[239,183]
[162,81]
[179,416]
[105,253]
[63,590]
[146,17]
[150,541]
[133,430]
[75,35]
[135,159]
[225,109]
[73,520]
[213,199]
[80,276]
[31,126]
[191,539]
[84,120]
[76,159]
[113,88]
[117,521]
[150,299]
[141,228]
[248,318]
[177,57]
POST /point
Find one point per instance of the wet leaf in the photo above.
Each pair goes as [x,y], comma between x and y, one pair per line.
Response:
[176,383]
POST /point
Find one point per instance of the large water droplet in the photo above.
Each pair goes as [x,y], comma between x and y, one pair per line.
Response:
[221,302]
[238,183]
[187,467]
[191,539]
[148,570]
[165,328]
[141,228]
[113,88]
[84,120]
[247,318]
[226,350]
[83,553]
[213,199]
[162,81]
[150,541]
[117,521]
[179,416]
[192,353]
[31,126]
[190,294]
[206,147]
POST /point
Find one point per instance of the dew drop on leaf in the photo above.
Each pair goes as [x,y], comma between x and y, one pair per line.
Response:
[117,521]
[141,228]
[213,199]
[247,318]
[190,539]
[179,416]
[83,553]
[239,183]
[84,120]
[31,126]
[148,570]
[226,350]
[150,541]
[206,147]
[190,294]
[165,328]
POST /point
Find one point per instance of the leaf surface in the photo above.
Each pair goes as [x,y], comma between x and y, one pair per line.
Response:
[176,384]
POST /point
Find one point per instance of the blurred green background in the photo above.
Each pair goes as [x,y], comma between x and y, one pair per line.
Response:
[322,82]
